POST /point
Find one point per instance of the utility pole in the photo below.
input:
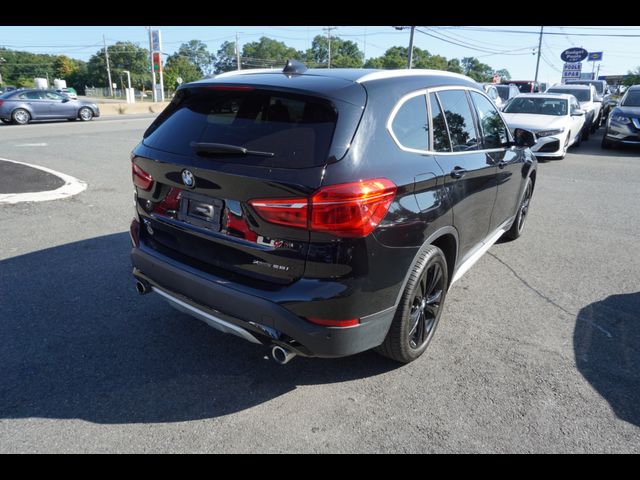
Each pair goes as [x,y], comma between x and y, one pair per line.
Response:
[238,52]
[413,29]
[153,72]
[539,47]
[106,56]
[598,72]
[328,29]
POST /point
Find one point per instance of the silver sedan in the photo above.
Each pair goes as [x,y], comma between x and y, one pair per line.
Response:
[22,106]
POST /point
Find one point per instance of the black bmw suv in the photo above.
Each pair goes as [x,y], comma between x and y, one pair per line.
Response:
[324,212]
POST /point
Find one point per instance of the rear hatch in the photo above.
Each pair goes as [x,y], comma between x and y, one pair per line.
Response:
[224,171]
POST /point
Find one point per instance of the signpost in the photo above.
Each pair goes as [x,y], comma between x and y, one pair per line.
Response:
[574,55]
[156,62]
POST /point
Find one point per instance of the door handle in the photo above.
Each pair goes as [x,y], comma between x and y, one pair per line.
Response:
[458,172]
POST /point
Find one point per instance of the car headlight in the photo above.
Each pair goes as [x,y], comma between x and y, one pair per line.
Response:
[546,133]
[621,119]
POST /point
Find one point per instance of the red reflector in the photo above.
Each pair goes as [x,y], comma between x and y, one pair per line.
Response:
[351,209]
[230,87]
[334,323]
[141,178]
[283,211]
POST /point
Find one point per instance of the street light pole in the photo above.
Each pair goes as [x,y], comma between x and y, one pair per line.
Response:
[106,56]
[153,72]
[413,29]
[328,29]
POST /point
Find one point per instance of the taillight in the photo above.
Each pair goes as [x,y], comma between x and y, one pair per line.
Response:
[351,322]
[351,209]
[291,212]
[141,178]
[1,102]
[346,210]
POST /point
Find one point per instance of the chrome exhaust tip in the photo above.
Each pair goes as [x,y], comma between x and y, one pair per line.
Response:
[281,355]
[142,287]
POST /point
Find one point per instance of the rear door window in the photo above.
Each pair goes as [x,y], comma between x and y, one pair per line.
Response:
[460,122]
[297,129]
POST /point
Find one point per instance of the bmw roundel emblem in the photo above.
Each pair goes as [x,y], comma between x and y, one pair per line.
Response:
[188,179]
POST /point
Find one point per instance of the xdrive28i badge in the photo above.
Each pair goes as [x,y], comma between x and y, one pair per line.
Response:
[188,179]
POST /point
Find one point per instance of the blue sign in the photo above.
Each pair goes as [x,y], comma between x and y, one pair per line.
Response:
[573,55]
[595,57]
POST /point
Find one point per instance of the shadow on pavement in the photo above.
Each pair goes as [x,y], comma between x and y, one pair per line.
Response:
[607,350]
[78,342]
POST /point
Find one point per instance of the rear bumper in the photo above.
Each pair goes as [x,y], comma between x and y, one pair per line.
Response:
[267,321]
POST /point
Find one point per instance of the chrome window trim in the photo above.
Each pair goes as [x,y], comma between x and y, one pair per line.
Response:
[426,92]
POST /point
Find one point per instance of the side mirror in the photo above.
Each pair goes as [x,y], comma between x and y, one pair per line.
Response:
[66,99]
[577,112]
[524,138]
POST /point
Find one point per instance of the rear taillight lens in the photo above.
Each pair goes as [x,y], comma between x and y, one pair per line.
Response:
[141,178]
[346,210]
[1,102]
[351,209]
[351,322]
[292,212]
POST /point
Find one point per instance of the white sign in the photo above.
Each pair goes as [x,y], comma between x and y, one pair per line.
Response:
[571,71]
[179,80]
[156,43]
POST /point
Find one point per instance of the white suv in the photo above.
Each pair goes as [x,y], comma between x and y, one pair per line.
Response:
[586,95]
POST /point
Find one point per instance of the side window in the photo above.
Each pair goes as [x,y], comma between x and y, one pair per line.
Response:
[462,130]
[494,131]
[441,141]
[30,96]
[410,125]
[52,96]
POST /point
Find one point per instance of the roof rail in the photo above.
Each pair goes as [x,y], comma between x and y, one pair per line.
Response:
[414,72]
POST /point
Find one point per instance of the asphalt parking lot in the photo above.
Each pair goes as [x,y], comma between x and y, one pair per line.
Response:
[538,349]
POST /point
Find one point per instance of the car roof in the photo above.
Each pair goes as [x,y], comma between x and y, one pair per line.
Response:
[634,87]
[563,96]
[572,86]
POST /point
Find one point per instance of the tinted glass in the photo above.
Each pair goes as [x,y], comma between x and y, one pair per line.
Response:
[632,99]
[583,95]
[537,106]
[440,135]
[410,124]
[30,96]
[297,129]
[52,96]
[494,131]
[462,130]
[503,91]
[599,85]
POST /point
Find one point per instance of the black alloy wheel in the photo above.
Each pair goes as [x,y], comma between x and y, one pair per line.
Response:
[420,308]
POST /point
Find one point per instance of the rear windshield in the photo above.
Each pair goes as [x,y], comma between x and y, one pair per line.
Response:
[583,95]
[599,85]
[297,129]
[503,91]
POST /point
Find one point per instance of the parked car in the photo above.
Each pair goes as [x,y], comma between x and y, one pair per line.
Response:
[492,92]
[603,94]
[7,88]
[22,106]
[507,92]
[69,92]
[525,86]
[623,125]
[586,95]
[556,120]
[302,221]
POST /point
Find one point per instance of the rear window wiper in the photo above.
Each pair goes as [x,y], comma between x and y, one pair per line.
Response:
[225,149]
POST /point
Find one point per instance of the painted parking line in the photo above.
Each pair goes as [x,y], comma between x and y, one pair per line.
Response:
[72,186]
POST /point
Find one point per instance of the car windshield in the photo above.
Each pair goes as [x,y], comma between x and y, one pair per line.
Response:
[538,106]
[503,91]
[599,85]
[632,99]
[583,95]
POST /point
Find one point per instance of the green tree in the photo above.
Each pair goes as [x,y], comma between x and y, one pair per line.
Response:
[633,77]
[226,58]
[64,67]
[197,53]
[179,66]
[266,53]
[122,56]
[504,74]
[344,53]
[454,66]
[473,68]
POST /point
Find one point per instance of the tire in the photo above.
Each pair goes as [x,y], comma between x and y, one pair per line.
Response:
[523,212]
[578,140]
[585,134]
[420,308]
[606,144]
[20,116]
[85,114]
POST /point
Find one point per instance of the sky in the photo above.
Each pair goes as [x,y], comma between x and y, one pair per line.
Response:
[498,46]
